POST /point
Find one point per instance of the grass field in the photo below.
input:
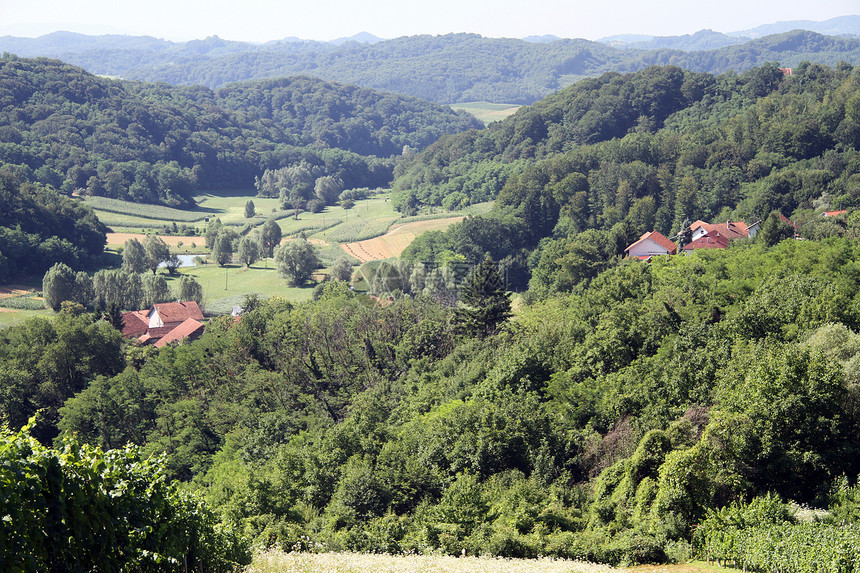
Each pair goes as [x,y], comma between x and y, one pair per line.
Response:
[225,287]
[278,562]
[487,112]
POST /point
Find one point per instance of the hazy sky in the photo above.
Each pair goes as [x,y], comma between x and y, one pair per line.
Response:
[263,20]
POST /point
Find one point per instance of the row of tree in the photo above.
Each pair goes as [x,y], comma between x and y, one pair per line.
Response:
[113,290]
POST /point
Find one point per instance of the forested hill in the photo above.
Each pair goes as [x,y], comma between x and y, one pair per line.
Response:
[447,69]
[67,128]
[651,150]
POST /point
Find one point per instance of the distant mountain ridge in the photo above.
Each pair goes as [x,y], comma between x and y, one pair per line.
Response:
[839,26]
[445,69]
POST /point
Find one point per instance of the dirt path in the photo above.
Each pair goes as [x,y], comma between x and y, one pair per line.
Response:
[392,243]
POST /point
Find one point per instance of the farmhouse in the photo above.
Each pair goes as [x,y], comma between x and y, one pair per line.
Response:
[712,240]
[650,244]
[728,230]
[164,323]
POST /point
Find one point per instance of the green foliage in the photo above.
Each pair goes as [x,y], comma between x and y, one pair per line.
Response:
[80,508]
[449,68]
[58,285]
[340,130]
[249,250]
[626,154]
[763,536]
[296,260]
[342,270]
[486,304]
[250,210]
[134,257]
[39,228]
[190,289]
[157,252]
[270,237]
[222,247]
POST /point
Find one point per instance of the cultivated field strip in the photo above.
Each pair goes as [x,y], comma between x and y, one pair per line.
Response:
[279,562]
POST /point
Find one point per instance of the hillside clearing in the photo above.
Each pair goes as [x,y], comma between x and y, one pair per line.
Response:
[392,243]
[487,112]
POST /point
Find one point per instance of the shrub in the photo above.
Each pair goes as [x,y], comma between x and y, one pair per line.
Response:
[78,508]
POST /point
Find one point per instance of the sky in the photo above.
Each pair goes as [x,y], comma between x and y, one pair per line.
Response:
[265,20]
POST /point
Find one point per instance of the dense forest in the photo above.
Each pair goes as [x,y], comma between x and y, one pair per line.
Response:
[446,69]
[40,227]
[621,411]
[607,159]
[154,143]
[602,424]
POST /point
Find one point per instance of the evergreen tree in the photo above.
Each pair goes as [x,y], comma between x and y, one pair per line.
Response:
[486,305]
[113,315]
[250,209]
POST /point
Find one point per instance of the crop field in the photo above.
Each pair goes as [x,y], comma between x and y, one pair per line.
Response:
[229,206]
[115,240]
[395,240]
[487,112]
[19,303]
[279,562]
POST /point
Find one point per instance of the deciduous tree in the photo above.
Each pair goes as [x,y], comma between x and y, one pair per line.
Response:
[296,260]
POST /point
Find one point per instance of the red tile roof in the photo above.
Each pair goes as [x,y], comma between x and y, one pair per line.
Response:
[134,323]
[785,219]
[656,237]
[188,328]
[177,312]
[834,213]
[712,240]
[729,230]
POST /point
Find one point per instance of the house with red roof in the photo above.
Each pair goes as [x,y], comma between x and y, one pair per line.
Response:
[712,240]
[167,322]
[651,244]
[834,213]
[730,230]
[190,329]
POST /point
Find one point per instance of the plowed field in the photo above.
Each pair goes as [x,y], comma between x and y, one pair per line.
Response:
[392,243]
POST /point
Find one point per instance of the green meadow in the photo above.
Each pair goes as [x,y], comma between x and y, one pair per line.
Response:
[225,287]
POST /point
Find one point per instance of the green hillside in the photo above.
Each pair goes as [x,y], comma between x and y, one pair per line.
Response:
[447,69]
[153,143]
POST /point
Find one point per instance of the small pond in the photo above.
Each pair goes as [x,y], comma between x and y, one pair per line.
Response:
[185,261]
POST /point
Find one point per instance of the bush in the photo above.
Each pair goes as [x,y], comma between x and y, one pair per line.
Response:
[79,508]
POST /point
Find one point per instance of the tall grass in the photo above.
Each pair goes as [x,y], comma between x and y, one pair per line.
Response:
[274,561]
